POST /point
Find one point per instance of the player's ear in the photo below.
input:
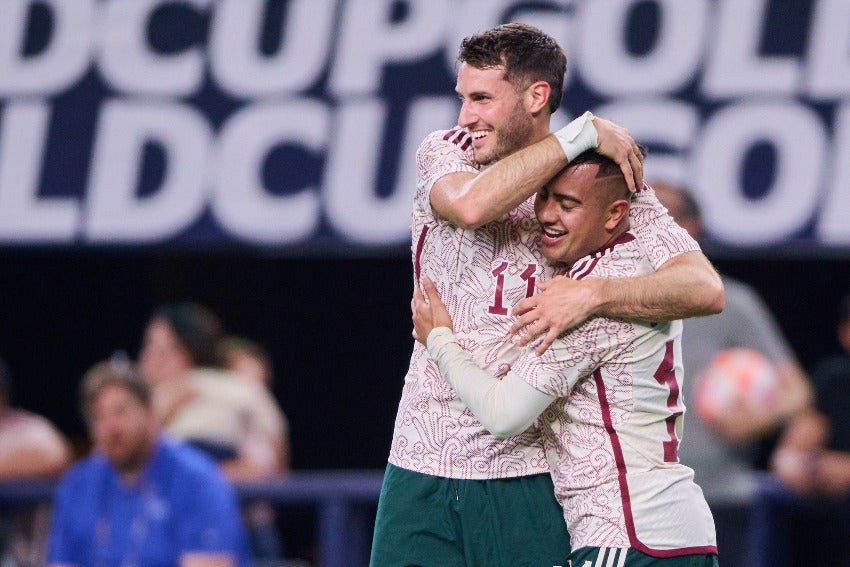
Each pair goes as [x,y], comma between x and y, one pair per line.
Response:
[617,211]
[537,96]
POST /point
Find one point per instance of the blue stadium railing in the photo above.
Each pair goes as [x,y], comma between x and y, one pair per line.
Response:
[344,502]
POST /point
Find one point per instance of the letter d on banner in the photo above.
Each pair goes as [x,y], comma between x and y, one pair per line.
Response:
[115,212]
[63,60]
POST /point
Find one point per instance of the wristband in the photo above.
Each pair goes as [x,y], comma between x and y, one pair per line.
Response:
[578,136]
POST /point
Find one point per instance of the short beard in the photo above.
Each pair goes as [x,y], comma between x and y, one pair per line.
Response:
[513,135]
[134,462]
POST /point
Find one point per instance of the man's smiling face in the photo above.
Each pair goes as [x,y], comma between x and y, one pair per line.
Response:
[576,214]
[493,112]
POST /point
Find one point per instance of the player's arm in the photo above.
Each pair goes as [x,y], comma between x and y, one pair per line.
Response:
[469,200]
[687,285]
[684,284]
[504,407]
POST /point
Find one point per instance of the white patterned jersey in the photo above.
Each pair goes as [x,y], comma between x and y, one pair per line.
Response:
[480,275]
[612,436]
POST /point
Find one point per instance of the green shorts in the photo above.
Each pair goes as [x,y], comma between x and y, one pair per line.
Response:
[628,557]
[432,521]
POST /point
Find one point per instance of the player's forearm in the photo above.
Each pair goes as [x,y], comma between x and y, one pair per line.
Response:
[505,185]
[511,180]
[504,407]
[686,286]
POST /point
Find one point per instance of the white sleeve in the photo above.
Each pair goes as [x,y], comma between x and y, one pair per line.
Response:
[504,407]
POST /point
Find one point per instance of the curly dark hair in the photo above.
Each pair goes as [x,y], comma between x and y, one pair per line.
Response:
[527,54]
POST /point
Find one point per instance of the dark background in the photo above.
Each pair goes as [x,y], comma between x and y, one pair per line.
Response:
[338,328]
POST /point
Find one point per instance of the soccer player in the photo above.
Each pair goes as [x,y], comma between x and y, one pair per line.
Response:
[606,395]
[453,494]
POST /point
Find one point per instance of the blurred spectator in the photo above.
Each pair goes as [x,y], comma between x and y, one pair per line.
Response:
[248,359]
[252,362]
[723,453]
[208,406]
[235,420]
[803,513]
[30,447]
[141,499]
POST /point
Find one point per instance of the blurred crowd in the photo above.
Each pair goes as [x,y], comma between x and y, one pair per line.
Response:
[197,401]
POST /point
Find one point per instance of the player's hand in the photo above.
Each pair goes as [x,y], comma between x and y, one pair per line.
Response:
[560,305]
[617,143]
[428,311]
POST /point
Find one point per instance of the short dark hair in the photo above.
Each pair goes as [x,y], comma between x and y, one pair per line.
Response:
[527,54]
[197,328]
[607,166]
[114,372]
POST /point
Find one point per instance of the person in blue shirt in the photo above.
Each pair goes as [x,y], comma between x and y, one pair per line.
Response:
[141,499]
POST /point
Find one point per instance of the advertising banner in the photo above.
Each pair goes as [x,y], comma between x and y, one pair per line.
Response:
[293,124]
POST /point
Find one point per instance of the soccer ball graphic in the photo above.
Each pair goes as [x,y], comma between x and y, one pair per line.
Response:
[735,378]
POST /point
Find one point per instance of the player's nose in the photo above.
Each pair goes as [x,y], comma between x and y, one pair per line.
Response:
[466,117]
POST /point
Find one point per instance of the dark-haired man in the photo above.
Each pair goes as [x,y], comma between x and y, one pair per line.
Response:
[140,499]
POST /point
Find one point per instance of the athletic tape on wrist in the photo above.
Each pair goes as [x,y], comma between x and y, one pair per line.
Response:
[578,136]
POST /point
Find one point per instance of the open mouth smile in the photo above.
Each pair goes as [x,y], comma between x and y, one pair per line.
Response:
[549,235]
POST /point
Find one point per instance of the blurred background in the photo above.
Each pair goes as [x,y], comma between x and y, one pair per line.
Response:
[256,156]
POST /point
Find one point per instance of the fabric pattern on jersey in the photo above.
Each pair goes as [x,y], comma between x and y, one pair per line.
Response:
[613,435]
[480,275]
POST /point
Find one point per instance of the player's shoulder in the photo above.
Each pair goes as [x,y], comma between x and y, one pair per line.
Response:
[457,136]
[616,259]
